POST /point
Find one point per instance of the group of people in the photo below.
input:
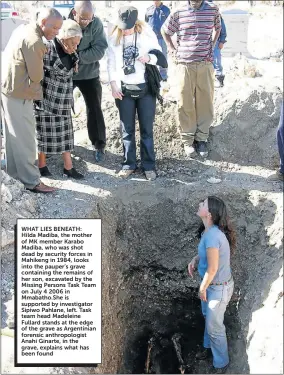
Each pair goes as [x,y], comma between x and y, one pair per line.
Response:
[46,60]
[38,79]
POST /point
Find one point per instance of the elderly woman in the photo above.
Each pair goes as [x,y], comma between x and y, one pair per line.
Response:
[53,113]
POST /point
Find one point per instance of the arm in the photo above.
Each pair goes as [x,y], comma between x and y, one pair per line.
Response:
[33,56]
[217,27]
[213,264]
[146,16]
[223,33]
[192,265]
[169,28]
[98,46]
[167,38]
[111,67]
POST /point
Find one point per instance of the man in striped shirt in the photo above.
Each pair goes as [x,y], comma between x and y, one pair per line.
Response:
[194,25]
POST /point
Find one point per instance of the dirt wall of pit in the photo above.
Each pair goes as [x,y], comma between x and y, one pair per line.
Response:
[149,237]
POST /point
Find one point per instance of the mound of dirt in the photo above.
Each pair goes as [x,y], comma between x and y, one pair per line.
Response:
[244,130]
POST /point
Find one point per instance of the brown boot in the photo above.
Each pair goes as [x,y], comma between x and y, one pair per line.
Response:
[42,188]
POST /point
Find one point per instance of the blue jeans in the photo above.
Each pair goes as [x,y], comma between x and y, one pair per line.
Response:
[218,297]
[280,139]
[163,71]
[146,109]
[218,60]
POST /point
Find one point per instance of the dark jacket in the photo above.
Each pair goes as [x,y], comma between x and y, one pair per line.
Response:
[91,49]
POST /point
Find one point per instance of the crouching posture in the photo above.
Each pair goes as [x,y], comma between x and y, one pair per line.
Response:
[132,45]
[53,114]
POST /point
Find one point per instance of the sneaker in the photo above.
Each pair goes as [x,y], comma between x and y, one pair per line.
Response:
[203,354]
[99,155]
[221,80]
[150,175]
[189,150]
[44,172]
[72,173]
[125,173]
[201,148]
[220,370]
[277,176]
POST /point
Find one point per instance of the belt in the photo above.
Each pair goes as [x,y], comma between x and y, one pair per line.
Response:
[204,62]
[224,282]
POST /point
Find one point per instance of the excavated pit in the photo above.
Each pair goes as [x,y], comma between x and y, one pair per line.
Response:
[151,312]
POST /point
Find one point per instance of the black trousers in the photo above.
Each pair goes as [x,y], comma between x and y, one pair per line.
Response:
[145,109]
[91,90]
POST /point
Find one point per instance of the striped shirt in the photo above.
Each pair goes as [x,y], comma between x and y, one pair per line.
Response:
[194,29]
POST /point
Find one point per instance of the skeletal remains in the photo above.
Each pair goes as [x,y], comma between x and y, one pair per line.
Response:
[155,345]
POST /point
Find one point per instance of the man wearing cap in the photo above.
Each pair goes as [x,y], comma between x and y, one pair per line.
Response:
[194,25]
[155,16]
[91,50]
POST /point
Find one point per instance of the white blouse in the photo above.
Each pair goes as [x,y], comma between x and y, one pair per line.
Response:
[146,41]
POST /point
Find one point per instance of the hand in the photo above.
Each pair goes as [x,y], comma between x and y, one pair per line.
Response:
[191,267]
[202,294]
[221,45]
[144,59]
[116,92]
[68,49]
[172,52]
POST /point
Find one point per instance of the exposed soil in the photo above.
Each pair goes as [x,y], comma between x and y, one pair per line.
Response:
[149,228]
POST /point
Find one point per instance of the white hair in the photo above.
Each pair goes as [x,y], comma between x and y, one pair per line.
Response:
[47,13]
[69,29]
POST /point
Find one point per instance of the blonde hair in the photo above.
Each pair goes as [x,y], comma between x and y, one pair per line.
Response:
[69,29]
[138,28]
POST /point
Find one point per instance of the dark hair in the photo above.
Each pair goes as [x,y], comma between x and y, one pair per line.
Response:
[218,211]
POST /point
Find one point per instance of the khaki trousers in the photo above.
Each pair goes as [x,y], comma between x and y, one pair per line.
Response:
[20,139]
[195,100]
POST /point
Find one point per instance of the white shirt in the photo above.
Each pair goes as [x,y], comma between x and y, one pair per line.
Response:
[146,41]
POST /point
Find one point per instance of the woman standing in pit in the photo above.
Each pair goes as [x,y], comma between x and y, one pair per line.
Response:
[217,241]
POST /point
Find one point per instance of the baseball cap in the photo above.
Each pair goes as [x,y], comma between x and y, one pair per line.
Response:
[127,17]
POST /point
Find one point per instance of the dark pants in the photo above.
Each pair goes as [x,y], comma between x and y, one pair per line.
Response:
[91,90]
[280,140]
[146,108]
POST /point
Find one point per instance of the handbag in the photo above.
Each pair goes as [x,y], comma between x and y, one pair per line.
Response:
[134,91]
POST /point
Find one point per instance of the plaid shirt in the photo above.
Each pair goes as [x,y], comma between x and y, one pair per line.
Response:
[57,84]
[194,30]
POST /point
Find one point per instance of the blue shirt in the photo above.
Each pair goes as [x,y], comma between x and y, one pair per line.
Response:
[214,237]
[156,16]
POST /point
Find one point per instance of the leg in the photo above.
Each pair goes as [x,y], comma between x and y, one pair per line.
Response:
[91,90]
[206,339]
[67,160]
[204,100]
[41,160]
[186,103]
[218,61]
[127,110]
[163,71]
[146,109]
[280,139]
[218,298]
[21,141]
